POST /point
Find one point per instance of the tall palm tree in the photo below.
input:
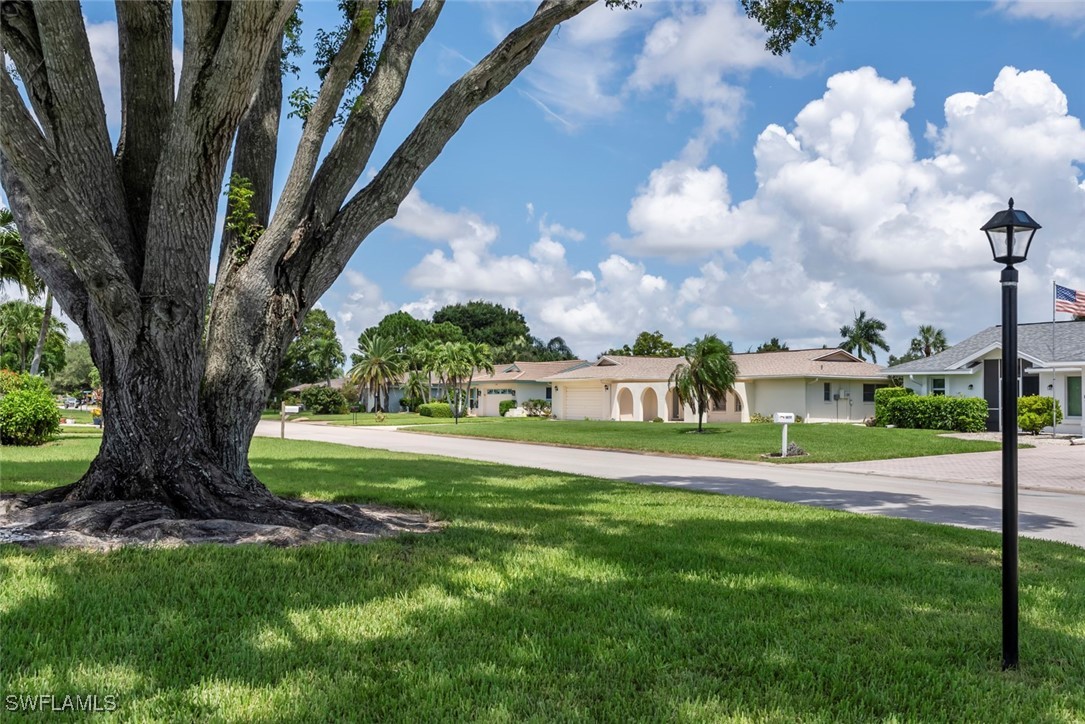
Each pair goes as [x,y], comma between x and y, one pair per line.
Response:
[707,373]
[381,364]
[15,267]
[863,335]
[482,360]
[929,341]
[19,320]
[417,385]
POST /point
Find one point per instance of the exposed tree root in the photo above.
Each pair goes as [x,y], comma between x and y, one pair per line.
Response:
[46,519]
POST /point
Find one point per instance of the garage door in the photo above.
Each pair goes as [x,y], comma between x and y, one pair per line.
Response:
[491,402]
[585,402]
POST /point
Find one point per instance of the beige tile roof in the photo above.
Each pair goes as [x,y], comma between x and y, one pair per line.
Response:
[793,363]
[528,371]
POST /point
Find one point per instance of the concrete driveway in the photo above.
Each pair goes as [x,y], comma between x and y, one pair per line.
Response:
[1047,514]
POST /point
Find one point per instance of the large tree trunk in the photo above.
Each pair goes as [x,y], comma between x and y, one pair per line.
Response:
[47,316]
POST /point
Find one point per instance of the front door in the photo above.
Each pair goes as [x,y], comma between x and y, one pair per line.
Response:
[990,392]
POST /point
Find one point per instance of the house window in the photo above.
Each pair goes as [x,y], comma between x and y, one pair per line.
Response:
[1073,396]
[868,392]
[719,404]
[549,392]
[501,392]
[828,392]
[738,403]
[938,386]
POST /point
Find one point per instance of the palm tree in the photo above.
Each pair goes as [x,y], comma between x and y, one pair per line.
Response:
[929,341]
[482,360]
[417,385]
[19,320]
[15,267]
[381,364]
[708,373]
[326,354]
[863,335]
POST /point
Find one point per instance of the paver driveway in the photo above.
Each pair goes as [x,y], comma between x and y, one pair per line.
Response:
[1043,514]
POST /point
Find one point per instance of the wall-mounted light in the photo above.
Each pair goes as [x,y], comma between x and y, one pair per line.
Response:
[970,387]
[606,387]
[1051,387]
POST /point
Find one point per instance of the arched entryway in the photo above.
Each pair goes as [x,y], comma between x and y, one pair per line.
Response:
[674,405]
[625,404]
[649,405]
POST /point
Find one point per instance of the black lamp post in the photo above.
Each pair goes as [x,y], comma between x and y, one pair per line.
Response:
[1010,233]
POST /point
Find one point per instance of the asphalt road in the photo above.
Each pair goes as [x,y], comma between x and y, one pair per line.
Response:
[1055,516]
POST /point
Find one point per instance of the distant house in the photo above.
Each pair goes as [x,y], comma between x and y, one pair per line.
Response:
[520,381]
[1051,362]
[822,385]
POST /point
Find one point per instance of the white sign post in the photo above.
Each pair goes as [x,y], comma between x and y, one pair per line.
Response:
[783,418]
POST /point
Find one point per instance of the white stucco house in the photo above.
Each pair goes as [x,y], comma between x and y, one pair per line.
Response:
[1051,362]
[822,385]
[520,381]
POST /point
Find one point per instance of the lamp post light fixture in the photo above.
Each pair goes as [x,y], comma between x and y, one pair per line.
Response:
[1010,234]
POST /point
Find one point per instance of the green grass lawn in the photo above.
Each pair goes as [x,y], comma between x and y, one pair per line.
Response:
[80,416]
[737,441]
[391,418]
[547,597]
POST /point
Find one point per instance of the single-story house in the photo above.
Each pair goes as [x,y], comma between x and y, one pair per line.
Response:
[821,385]
[520,381]
[1051,362]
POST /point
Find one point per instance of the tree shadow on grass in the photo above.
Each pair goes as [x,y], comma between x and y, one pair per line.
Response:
[552,597]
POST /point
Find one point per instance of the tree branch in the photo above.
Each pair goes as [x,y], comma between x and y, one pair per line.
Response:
[319,261]
[34,166]
[226,47]
[76,115]
[19,39]
[255,152]
[321,116]
[146,64]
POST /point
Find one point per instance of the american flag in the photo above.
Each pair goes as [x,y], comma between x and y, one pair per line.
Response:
[1069,300]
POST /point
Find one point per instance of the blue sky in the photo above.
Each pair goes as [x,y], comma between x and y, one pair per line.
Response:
[657,169]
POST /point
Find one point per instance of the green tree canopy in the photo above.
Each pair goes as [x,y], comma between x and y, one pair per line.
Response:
[404,331]
[863,335]
[20,324]
[79,372]
[647,344]
[485,322]
[315,355]
[773,345]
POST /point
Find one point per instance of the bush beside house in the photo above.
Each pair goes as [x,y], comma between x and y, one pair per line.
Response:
[435,409]
[1034,413]
[505,405]
[323,400]
[882,395]
[961,414]
[537,408]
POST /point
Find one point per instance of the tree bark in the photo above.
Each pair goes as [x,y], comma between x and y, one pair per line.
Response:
[39,348]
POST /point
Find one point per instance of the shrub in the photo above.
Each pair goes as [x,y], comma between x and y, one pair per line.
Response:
[882,395]
[324,400]
[410,403]
[962,414]
[28,414]
[1034,413]
[435,409]
[537,408]
[505,405]
[757,417]
[657,419]
[10,381]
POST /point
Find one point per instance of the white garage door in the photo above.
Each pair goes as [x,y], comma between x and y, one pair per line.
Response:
[491,402]
[584,402]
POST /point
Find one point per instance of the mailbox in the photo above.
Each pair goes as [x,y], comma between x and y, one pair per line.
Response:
[783,418]
[292,409]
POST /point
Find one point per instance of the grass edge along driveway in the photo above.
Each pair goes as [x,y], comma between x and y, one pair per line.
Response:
[824,443]
[548,596]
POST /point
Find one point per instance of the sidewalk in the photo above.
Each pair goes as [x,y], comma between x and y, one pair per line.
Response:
[1052,465]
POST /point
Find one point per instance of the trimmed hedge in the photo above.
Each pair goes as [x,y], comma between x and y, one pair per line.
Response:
[324,400]
[505,405]
[435,409]
[961,414]
[28,413]
[883,395]
[1034,413]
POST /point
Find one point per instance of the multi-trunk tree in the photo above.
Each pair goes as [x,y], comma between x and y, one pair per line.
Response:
[123,234]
